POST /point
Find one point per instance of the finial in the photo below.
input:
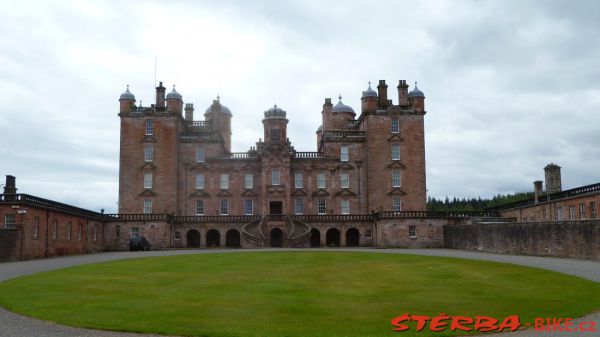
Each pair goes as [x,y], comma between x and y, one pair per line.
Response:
[218,97]
[369,84]
[275,105]
[340,97]
[140,103]
[415,84]
[127,88]
[173,87]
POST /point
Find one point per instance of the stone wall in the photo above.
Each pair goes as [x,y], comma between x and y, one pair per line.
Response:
[573,239]
[394,233]
[10,244]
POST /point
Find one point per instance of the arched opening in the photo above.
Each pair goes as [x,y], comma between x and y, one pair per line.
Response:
[352,237]
[276,237]
[332,237]
[315,238]
[193,238]
[232,239]
[213,238]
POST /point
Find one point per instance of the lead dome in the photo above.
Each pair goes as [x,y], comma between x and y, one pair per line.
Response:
[127,95]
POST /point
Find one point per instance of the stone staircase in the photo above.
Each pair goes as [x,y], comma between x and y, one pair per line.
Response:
[299,233]
[252,232]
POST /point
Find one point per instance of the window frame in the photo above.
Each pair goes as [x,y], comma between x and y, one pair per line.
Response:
[395,125]
[275,177]
[321,206]
[200,181]
[200,155]
[344,206]
[298,206]
[149,129]
[148,154]
[321,180]
[199,207]
[396,204]
[593,210]
[224,207]
[298,180]
[581,210]
[12,223]
[344,153]
[412,232]
[248,181]
[395,151]
[396,179]
[135,230]
[224,181]
[345,180]
[148,180]
[147,206]
[248,207]
[36,227]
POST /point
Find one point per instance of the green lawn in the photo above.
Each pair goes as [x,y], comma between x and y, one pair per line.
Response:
[304,293]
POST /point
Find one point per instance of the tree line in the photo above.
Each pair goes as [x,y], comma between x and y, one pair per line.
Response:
[475,204]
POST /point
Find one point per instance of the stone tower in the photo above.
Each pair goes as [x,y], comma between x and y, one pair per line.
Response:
[553,181]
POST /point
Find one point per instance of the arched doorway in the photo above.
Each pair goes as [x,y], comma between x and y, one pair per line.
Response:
[332,237]
[232,239]
[315,238]
[193,238]
[276,237]
[352,237]
[213,238]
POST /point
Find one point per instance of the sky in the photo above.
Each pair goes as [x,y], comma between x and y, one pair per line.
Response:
[510,86]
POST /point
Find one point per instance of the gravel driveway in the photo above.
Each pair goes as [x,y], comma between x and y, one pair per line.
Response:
[14,325]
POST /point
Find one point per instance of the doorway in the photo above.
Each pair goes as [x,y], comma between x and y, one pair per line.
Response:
[276,207]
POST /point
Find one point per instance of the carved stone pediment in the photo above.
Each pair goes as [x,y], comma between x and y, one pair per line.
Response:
[344,166]
[396,165]
[149,139]
[148,166]
[299,193]
[396,191]
[199,194]
[395,137]
[345,192]
[249,193]
[147,193]
[276,191]
[198,167]
[320,193]
[224,193]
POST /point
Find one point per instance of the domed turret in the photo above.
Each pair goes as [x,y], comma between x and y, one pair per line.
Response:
[217,107]
[174,94]
[369,92]
[126,100]
[127,95]
[275,112]
[416,92]
[341,107]
[416,99]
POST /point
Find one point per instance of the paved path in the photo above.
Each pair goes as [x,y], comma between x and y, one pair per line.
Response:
[13,325]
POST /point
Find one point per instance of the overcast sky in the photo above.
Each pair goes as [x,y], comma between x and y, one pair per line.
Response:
[510,86]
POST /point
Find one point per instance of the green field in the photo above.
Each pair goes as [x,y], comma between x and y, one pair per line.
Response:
[304,293]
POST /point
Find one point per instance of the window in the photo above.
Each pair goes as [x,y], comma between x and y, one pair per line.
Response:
[248,181]
[36,227]
[299,206]
[79,232]
[248,207]
[397,205]
[69,229]
[199,155]
[9,221]
[118,231]
[224,207]
[275,177]
[177,235]
[395,178]
[149,127]
[581,211]
[200,181]
[148,154]
[199,207]
[395,126]
[321,180]
[593,210]
[571,212]
[395,151]
[135,232]
[95,237]
[224,183]
[147,206]
[321,206]
[298,180]
[345,180]
[148,180]
[559,214]
[412,231]
[344,153]
[275,135]
[345,207]
[55,230]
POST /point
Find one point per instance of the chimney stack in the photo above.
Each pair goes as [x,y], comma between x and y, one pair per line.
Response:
[537,190]
[382,94]
[189,112]
[553,179]
[402,93]
[160,95]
